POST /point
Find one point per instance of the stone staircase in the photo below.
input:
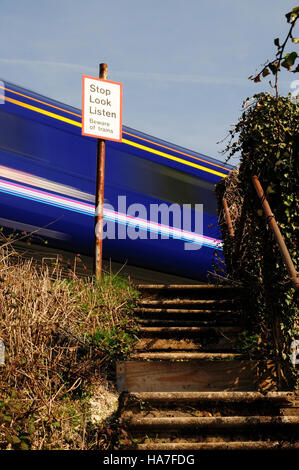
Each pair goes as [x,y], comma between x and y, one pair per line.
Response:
[187,386]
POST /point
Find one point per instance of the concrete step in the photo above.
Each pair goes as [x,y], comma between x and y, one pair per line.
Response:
[185,356]
[213,398]
[204,290]
[184,344]
[175,423]
[173,311]
[165,322]
[208,430]
[186,331]
[181,313]
[196,329]
[182,287]
[187,287]
[198,303]
[187,317]
[206,404]
[218,446]
[224,420]
[203,338]
[155,322]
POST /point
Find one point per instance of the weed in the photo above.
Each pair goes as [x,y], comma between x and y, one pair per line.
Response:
[247,342]
[61,336]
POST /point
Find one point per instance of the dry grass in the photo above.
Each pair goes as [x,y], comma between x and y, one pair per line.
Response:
[59,335]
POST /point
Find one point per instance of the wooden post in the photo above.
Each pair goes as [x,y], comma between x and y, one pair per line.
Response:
[228,218]
[279,238]
[99,203]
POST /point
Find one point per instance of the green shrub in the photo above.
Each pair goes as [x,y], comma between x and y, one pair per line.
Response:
[16,424]
[267,136]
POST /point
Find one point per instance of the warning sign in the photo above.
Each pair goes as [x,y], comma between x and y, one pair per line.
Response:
[102,108]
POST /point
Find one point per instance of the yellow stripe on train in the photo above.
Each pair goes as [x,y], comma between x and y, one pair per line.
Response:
[125,141]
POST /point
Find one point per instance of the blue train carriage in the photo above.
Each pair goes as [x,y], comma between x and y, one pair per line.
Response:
[47,186]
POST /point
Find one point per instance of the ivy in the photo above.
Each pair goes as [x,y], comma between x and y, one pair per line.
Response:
[267,137]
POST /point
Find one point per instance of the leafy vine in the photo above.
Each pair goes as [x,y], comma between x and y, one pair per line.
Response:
[267,137]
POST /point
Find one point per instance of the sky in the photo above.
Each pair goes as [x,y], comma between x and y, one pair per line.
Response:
[184,64]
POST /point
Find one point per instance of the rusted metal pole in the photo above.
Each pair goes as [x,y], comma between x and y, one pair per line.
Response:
[99,203]
[228,218]
[279,238]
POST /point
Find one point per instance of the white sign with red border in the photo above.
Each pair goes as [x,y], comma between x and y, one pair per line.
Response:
[102,108]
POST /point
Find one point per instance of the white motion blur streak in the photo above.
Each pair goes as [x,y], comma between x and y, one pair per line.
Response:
[38,182]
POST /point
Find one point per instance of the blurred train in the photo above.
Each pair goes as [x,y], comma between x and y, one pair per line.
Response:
[47,187]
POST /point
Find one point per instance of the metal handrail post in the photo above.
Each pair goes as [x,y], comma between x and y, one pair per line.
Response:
[278,236]
[228,218]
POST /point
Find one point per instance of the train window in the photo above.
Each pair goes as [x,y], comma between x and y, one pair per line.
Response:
[162,182]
